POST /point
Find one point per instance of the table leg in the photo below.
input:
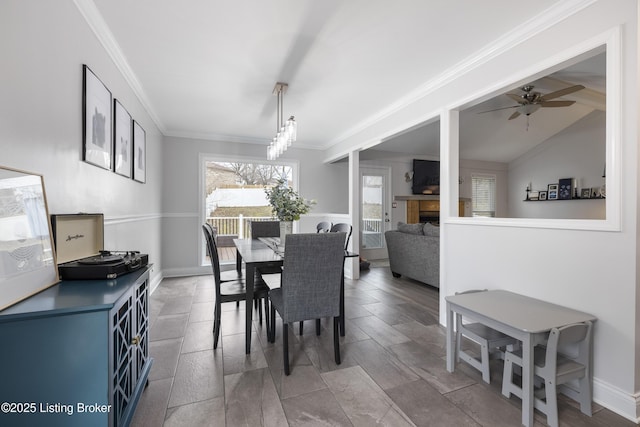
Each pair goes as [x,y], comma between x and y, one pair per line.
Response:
[450,352]
[238,262]
[527,380]
[249,283]
[342,317]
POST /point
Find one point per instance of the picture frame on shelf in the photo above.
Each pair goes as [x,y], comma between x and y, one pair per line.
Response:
[122,143]
[585,193]
[565,188]
[542,195]
[139,153]
[595,193]
[552,192]
[533,195]
[96,121]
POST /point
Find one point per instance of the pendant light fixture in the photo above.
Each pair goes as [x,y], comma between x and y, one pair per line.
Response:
[285,131]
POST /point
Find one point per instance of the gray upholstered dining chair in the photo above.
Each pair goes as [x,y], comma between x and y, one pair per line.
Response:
[323,227]
[342,227]
[555,366]
[232,290]
[310,285]
[265,229]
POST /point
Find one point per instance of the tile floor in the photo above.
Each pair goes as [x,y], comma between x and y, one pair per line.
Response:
[392,373]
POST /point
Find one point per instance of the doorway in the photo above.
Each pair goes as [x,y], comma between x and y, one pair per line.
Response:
[374,211]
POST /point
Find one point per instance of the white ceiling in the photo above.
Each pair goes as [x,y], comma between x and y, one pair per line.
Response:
[207,68]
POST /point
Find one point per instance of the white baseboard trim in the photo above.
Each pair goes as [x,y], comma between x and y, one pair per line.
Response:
[155,282]
[187,271]
[622,403]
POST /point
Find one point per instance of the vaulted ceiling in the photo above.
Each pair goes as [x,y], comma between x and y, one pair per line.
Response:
[207,68]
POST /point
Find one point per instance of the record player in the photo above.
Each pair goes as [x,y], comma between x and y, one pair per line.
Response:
[79,242]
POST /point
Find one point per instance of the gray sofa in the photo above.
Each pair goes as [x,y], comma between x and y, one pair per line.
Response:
[414,252]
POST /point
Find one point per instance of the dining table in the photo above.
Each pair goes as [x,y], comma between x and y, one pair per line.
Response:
[266,252]
[524,318]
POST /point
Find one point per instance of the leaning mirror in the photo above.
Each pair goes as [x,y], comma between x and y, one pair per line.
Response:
[27,259]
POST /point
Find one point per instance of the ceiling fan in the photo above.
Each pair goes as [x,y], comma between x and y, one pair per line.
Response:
[531,101]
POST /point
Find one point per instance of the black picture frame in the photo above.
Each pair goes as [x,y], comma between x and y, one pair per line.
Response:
[122,140]
[565,188]
[552,192]
[542,195]
[96,121]
[585,193]
[139,153]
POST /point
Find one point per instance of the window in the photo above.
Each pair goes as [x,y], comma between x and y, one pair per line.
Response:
[483,193]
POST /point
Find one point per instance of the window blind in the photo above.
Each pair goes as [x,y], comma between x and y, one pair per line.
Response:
[483,190]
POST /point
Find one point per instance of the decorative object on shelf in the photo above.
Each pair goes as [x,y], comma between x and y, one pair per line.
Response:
[596,193]
[139,153]
[122,144]
[96,121]
[585,193]
[528,190]
[286,132]
[26,256]
[552,192]
[287,204]
[565,188]
[534,195]
[542,195]
[576,184]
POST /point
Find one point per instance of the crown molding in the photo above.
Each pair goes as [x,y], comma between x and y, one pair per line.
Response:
[96,22]
[525,31]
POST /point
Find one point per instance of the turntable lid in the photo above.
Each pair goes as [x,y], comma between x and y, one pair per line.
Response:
[77,236]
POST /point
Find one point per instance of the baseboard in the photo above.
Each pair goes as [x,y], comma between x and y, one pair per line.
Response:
[188,271]
[622,403]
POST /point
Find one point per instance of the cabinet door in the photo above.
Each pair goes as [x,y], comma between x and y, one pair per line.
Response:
[429,205]
[122,374]
[141,331]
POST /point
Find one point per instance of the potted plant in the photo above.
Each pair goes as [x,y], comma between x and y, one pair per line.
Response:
[287,205]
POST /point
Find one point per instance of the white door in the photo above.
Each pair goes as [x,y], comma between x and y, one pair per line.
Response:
[374,211]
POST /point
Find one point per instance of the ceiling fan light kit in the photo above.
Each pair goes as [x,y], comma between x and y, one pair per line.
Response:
[530,101]
[286,132]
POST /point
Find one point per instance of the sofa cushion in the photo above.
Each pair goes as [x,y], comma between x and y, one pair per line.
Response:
[431,230]
[410,228]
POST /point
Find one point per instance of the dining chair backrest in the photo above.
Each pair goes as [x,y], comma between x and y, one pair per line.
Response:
[311,276]
[265,229]
[213,254]
[342,227]
[323,227]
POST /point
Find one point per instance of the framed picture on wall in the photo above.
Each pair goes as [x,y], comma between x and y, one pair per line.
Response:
[139,153]
[542,195]
[96,121]
[122,143]
[552,192]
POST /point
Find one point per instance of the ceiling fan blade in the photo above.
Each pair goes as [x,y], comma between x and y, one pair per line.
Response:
[498,109]
[517,98]
[561,92]
[557,103]
[514,115]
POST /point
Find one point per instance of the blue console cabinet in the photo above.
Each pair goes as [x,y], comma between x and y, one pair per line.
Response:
[76,354]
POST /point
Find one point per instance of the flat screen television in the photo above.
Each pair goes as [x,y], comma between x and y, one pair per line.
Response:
[426,177]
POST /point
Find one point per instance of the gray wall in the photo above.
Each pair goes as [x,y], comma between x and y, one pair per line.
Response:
[577,152]
[182,193]
[43,48]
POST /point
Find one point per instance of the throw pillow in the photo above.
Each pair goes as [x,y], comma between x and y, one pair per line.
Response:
[431,230]
[410,228]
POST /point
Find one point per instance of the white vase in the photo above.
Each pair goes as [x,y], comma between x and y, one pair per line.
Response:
[286,227]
